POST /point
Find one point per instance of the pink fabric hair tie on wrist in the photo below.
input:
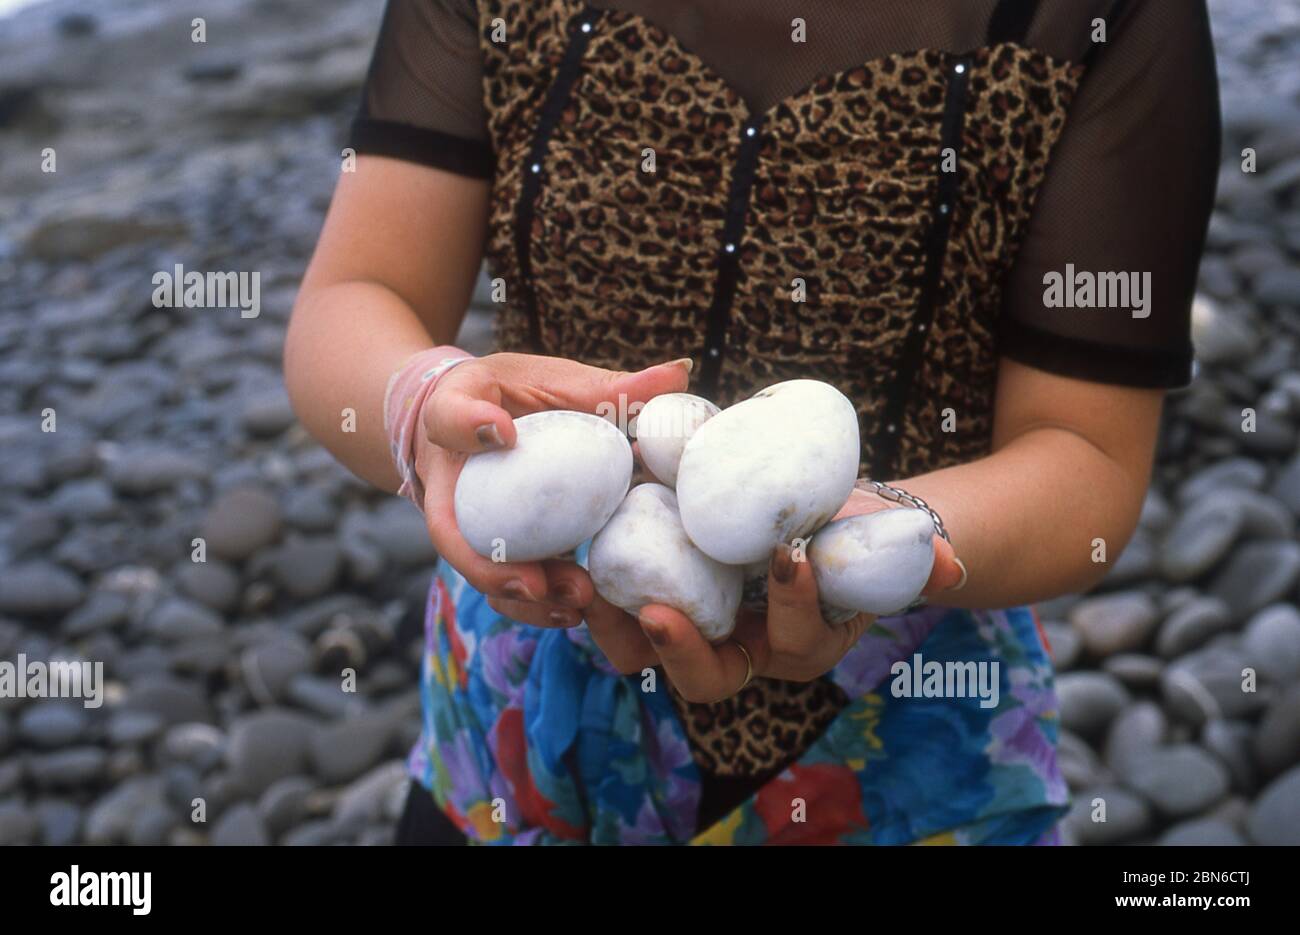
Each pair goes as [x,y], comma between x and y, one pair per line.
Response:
[404,398]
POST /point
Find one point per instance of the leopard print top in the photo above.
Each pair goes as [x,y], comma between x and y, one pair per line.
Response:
[857,232]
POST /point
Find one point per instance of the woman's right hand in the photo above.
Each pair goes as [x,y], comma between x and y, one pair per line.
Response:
[472,409]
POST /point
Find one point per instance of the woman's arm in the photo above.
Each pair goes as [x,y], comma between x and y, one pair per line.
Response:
[392,274]
[1071,463]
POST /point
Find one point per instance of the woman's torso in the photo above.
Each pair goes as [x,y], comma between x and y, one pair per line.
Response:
[833,208]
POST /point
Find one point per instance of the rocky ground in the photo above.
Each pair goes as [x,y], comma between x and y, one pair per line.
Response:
[173,424]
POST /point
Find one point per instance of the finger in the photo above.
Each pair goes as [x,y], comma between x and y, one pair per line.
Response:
[465,412]
[946,572]
[794,619]
[701,672]
[568,584]
[619,637]
[556,383]
[536,615]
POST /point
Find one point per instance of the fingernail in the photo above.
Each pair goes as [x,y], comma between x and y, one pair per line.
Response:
[783,564]
[561,618]
[655,631]
[961,582]
[566,592]
[684,362]
[517,590]
[489,436]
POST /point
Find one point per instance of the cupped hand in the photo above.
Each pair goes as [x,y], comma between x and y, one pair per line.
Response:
[471,410]
[791,641]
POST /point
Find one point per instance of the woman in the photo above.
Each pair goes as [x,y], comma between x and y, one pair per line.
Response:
[989,245]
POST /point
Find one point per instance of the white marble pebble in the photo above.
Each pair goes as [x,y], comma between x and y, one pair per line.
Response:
[664,426]
[556,488]
[643,556]
[875,562]
[770,469]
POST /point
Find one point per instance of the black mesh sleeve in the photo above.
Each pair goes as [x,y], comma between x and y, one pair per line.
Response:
[1129,191]
[423,97]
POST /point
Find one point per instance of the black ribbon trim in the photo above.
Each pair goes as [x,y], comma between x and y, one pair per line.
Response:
[945,206]
[733,228]
[557,98]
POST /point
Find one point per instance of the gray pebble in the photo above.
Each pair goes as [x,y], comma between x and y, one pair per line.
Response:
[1277,739]
[130,728]
[1115,623]
[1208,683]
[1230,741]
[1156,514]
[269,667]
[1135,670]
[1228,474]
[152,469]
[1200,537]
[379,795]
[267,414]
[345,749]
[34,531]
[308,568]
[104,610]
[1275,817]
[66,769]
[212,583]
[86,499]
[1279,286]
[1263,516]
[240,826]
[241,522]
[311,834]
[1286,486]
[311,508]
[1192,625]
[177,619]
[325,696]
[39,589]
[284,803]
[1136,563]
[399,529]
[1089,701]
[266,746]
[176,701]
[50,724]
[1220,336]
[201,746]
[1178,780]
[18,826]
[1206,832]
[1138,729]
[13,770]
[1107,814]
[60,822]
[151,825]
[1257,574]
[1271,643]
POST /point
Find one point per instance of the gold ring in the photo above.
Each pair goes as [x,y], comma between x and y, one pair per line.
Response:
[749,666]
[962,583]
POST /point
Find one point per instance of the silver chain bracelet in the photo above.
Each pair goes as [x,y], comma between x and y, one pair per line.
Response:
[898,495]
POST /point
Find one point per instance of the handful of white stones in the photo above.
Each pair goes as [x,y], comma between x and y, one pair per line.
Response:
[772,469]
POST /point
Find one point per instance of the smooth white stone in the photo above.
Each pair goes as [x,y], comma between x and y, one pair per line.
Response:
[643,556]
[554,490]
[767,470]
[876,562]
[664,426]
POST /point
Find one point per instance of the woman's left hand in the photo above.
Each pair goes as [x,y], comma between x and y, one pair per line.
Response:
[793,642]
